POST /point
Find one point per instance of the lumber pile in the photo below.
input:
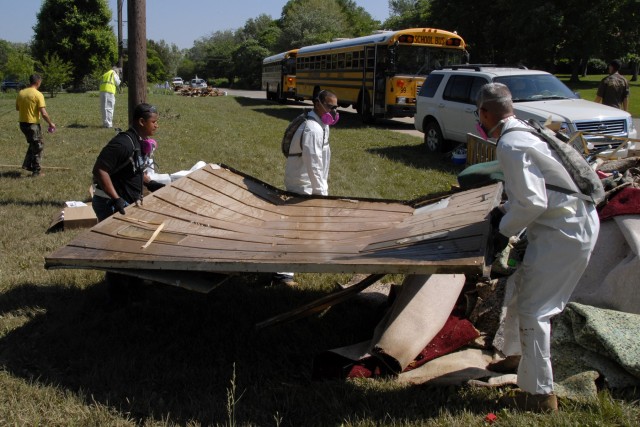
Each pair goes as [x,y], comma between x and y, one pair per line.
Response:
[207,91]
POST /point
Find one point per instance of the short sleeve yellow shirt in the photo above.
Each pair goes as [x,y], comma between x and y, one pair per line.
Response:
[29,102]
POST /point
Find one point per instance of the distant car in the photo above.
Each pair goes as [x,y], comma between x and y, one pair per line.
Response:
[11,85]
[198,83]
[447,102]
[177,82]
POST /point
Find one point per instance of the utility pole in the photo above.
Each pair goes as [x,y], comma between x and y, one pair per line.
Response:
[137,48]
[120,41]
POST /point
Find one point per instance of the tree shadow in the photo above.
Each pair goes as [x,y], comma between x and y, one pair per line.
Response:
[417,156]
[173,354]
[348,119]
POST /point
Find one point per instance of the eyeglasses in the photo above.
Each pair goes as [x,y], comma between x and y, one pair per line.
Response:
[330,107]
[477,112]
[151,109]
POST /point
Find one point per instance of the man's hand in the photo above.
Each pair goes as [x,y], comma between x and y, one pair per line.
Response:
[119,204]
[500,241]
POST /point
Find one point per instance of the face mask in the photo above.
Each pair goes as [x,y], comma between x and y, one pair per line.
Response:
[148,145]
[329,119]
[487,134]
[481,131]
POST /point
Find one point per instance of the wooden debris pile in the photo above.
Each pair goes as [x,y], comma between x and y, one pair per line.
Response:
[206,91]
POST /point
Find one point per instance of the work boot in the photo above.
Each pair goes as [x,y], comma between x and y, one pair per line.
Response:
[524,401]
[508,365]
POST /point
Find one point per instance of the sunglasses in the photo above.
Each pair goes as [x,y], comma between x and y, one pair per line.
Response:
[150,109]
[330,107]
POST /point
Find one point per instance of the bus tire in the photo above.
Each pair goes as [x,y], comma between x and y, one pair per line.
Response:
[433,139]
[281,99]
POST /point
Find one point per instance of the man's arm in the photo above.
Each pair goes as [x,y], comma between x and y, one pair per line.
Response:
[104,180]
[45,115]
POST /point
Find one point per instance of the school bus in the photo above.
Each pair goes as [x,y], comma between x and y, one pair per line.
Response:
[279,76]
[379,75]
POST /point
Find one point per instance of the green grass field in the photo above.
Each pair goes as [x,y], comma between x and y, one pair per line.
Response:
[184,358]
[588,86]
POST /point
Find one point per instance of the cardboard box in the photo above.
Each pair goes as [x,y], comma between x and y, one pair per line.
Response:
[73,215]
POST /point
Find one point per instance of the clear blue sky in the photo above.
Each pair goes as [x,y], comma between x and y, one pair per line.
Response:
[174,21]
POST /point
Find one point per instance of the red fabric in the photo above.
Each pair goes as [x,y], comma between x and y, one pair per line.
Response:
[624,202]
[454,334]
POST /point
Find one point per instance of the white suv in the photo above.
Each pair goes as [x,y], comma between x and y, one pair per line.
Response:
[447,101]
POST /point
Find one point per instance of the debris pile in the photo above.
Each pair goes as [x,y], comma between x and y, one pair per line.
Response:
[207,91]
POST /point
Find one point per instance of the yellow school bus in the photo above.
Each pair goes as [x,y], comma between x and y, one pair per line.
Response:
[379,75]
[279,76]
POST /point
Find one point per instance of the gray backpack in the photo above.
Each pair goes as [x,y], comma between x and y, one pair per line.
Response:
[583,175]
[291,131]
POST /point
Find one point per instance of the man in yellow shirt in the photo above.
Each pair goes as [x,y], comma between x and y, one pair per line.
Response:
[30,106]
[108,85]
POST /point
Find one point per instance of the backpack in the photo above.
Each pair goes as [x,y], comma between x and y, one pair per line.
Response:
[290,132]
[581,172]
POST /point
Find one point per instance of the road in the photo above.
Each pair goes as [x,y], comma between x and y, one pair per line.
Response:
[402,125]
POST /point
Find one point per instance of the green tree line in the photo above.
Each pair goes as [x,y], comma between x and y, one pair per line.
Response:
[74,43]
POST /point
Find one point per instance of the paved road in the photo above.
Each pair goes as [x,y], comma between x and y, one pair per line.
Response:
[402,125]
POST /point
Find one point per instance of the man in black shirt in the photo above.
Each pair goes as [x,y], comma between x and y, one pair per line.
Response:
[118,173]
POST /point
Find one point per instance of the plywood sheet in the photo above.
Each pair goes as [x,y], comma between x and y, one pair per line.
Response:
[219,220]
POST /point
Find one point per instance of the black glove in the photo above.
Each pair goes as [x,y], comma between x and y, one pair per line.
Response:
[495,216]
[154,185]
[500,241]
[119,204]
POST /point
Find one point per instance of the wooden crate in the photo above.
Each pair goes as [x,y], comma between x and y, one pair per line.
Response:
[479,150]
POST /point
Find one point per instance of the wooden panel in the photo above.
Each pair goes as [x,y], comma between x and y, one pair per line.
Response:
[219,221]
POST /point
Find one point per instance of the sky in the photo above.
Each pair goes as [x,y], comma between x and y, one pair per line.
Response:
[176,21]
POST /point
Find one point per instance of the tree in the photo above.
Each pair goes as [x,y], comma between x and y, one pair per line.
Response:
[169,55]
[248,59]
[307,22]
[155,67]
[213,55]
[19,65]
[264,30]
[79,32]
[359,21]
[55,73]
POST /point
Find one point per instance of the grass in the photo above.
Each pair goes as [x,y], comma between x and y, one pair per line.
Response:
[588,86]
[183,358]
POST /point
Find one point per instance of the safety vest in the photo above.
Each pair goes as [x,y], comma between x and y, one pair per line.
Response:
[108,82]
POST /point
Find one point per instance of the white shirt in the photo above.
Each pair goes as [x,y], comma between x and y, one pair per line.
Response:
[309,173]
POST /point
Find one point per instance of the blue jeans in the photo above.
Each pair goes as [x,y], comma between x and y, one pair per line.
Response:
[103,207]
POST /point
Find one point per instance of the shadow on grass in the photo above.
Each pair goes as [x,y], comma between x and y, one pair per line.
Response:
[172,356]
[13,175]
[34,203]
[348,119]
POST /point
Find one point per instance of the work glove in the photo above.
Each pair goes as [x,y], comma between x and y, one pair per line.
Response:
[500,242]
[495,216]
[154,185]
[119,204]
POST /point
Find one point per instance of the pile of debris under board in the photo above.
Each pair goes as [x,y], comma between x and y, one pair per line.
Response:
[443,329]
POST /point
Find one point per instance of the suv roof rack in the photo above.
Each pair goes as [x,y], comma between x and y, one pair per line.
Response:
[479,67]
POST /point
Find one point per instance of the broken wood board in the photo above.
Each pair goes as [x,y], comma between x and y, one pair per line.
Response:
[219,220]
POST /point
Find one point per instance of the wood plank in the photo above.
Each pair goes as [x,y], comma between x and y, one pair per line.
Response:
[222,222]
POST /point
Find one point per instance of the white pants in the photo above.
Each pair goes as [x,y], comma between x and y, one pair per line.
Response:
[542,286]
[107,104]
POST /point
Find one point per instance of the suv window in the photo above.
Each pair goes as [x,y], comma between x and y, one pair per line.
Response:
[431,85]
[463,89]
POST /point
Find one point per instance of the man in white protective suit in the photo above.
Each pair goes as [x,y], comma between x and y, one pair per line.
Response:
[307,166]
[562,231]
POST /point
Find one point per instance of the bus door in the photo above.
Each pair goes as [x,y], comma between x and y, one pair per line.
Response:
[365,102]
[380,81]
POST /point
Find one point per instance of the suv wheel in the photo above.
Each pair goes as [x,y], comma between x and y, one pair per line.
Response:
[433,137]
